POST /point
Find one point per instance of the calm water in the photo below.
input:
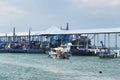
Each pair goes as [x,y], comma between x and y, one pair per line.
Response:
[41,67]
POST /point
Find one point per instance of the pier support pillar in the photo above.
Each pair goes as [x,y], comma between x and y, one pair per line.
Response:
[108,40]
[104,40]
[115,40]
[94,40]
[97,40]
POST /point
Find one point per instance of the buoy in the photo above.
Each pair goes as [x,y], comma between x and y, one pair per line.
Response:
[100,72]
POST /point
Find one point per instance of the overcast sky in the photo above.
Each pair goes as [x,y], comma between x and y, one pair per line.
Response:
[41,14]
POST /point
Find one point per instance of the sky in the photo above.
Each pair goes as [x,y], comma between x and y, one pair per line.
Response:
[42,14]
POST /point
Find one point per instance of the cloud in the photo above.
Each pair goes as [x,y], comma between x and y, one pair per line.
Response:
[115,3]
[97,7]
[6,9]
[43,13]
[96,3]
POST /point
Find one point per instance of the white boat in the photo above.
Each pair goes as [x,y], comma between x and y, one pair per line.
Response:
[60,53]
[106,54]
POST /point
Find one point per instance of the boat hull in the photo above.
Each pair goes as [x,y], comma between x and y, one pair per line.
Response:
[77,52]
[106,55]
[59,56]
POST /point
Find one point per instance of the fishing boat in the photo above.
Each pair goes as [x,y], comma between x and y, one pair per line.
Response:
[59,53]
[81,45]
[106,54]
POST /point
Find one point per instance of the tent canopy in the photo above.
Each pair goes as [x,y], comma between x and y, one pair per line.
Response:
[52,30]
[55,30]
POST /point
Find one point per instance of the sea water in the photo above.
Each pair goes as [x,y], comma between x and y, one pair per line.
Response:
[16,66]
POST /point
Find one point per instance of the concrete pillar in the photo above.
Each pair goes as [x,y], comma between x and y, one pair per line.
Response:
[108,40]
[94,39]
[116,41]
[105,40]
[97,40]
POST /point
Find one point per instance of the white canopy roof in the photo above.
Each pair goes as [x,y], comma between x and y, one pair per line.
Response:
[92,31]
[56,30]
[52,30]
[19,33]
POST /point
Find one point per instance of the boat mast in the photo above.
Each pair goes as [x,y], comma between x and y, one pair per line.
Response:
[14,34]
[67,28]
[29,36]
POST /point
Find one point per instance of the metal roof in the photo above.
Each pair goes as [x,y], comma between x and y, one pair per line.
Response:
[19,33]
[51,30]
[92,31]
[56,30]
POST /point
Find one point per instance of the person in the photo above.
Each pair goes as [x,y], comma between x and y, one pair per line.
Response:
[69,46]
[23,44]
[52,54]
